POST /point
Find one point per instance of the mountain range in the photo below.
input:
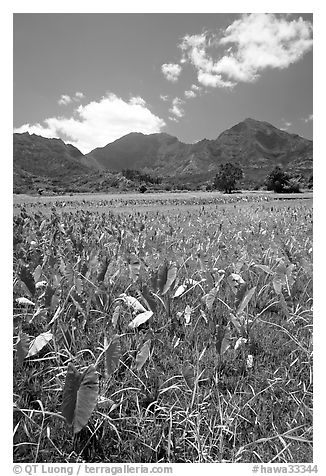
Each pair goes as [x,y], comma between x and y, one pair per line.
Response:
[257,147]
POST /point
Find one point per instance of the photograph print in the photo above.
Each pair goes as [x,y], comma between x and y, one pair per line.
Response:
[162,238]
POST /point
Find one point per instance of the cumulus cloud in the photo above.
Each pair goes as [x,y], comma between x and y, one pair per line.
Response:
[190,94]
[99,122]
[309,118]
[66,99]
[246,48]
[286,125]
[171,71]
[176,108]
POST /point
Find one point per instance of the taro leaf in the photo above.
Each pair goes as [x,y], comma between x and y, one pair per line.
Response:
[187,314]
[28,279]
[79,396]
[210,298]
[149,297]
[279,279]
[240,342]
[37,344]
[134,267]
[162,276]
[180,290]
[112,355]
[223,340]
[171,275]
[132,302]
[188,374]
[22,347]
[78,285]
[103,269]
[115,316]
[23,300]
[264,268]
[48,293]
[143,355]
[226,341]
[235,280]
[245,300]
[240,293]
[278,284]
[232,318]
[289,276]
[37,273]
[140,319]
[166,277]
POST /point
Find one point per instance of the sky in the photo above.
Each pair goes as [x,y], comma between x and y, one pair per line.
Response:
[91,78]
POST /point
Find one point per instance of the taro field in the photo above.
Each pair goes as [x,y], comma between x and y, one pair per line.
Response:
[161,329]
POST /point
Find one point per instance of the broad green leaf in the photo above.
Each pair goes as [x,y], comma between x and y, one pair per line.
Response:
[223,340]
[166,277]
[240,342]
[103,269]
[112,355]
[162,276]
[143,355]
[209,298]
[78,284]
[279,281]
[79,396]
[246,299]
[22,347]
[235,281]
[134,267]
[132,302]
[115,316]
[28,279]
[140,319]
[37,273]
[37,344]
[148,296]
[187,314]
[250,361]
[170,278]
[188,374]
[180,290]
[264,268]
[232,318]
[23,300]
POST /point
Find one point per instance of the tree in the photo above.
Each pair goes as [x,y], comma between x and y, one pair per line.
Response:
[142,188]
[277,180]
[227,177]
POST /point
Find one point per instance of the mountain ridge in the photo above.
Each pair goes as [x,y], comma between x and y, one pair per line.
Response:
[256,146]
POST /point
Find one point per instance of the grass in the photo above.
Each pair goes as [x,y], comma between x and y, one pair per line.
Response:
[191,401]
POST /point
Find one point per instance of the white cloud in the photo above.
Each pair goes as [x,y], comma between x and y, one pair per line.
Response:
[190,94]
[247,47]
[171,71]
[286,125]
[99,122]
[137,100]
[176,108]
[64,100]
[310,118]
